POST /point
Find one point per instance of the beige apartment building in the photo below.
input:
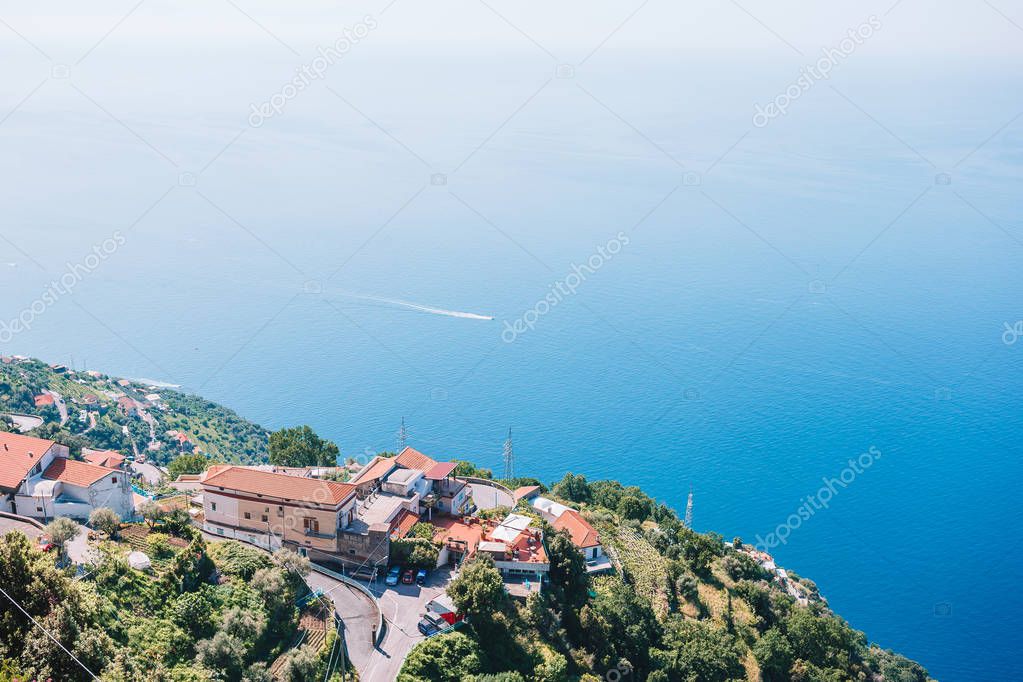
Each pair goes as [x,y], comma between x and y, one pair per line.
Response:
[275,510]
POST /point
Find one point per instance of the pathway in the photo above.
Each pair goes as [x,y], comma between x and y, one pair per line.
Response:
[58,400]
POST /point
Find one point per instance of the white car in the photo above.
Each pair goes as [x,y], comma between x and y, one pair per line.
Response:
[393,575]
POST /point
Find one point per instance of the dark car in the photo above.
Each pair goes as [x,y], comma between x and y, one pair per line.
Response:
[421,576]
[408,577]
[431,624]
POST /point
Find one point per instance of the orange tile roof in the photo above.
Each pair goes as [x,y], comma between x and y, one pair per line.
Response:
[583,534]
[280,485]
[106,458]
[403,523]
[18,454]
[375,470]
[75,473]
[524,491]
[410,458]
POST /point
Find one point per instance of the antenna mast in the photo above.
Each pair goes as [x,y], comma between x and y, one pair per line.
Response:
[402,435]
[509,458]
[689,510]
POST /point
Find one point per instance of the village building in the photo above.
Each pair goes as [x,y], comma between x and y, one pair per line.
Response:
[38,479]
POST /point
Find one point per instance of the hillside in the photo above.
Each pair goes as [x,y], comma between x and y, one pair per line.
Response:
[135,418]
[681,607]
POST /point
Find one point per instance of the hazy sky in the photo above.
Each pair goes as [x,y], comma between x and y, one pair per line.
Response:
[569,29]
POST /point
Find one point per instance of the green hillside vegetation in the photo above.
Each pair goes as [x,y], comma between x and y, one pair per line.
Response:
[683,607]
[223,612]
[211,429]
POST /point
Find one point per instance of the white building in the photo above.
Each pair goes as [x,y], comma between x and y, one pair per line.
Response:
[70,488]
[22,457]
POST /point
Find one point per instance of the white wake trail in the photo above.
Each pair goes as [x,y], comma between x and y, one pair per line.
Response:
[421,308]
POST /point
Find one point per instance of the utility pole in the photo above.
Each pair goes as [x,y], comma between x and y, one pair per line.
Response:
[402,435]
[509,458]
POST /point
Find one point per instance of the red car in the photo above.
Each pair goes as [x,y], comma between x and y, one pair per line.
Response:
[44,544]
[408,577]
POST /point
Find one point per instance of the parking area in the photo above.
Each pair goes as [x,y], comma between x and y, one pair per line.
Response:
[403,605]
[7,525]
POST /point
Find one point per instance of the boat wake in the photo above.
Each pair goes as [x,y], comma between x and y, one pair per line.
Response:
[421,308]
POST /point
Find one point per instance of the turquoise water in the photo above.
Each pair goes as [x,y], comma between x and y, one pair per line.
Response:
[789,297]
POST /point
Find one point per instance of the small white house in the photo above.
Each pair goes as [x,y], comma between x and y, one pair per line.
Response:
[70,488]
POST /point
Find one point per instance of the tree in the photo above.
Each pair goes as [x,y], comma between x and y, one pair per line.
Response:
[300,665]
[187,464]
[697,651]
[568,570]
[741,566]
[573,487]
[193,611]
[774,656]
[152,512]
[223,652]
[106,520]
[633,507]
[62,531]
[446,658]
[478,591]
[415,552]
[301,447]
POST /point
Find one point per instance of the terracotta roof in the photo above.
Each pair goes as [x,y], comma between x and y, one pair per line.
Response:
[440,470]
[18,454]
[75,473]
[403,523]
[375,470]
[280,485]
[410,458]
[583,534]
[44,399]
[525,491]
[106,458]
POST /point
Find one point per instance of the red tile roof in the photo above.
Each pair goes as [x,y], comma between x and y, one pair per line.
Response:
[525,491]
[18,454]
[106,458]
[280,485]
[410,458]
[75,473]
[440,471]
[583,534]
[375,470]
[403,523]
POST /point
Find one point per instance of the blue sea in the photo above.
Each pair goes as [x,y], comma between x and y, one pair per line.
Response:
[696,302]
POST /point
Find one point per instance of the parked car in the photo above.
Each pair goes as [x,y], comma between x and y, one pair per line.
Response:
[431,625]
[45,545]
[392,575]
[408,577]
[421,576]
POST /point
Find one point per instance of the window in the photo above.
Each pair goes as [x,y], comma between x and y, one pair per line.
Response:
[248,515]
[265,518]
[310,525]
[114,479]
[213,505]
[39,509]
[220,531]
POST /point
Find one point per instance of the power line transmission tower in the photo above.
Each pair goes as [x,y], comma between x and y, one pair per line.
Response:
[509,458]
[402,435]
[689,509]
